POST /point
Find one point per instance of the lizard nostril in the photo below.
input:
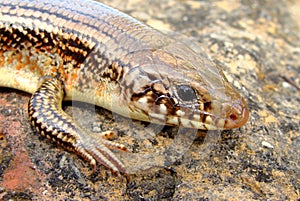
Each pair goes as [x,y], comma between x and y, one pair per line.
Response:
[238,115]
[233,117]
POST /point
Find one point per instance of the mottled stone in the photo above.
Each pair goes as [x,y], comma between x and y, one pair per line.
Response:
[257,44]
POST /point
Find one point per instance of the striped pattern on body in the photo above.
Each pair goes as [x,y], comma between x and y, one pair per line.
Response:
[90,52]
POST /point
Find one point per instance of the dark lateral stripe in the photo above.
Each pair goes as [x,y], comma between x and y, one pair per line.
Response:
[66,12]
[44,42]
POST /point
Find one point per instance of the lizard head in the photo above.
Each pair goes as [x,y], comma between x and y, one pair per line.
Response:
[173,85]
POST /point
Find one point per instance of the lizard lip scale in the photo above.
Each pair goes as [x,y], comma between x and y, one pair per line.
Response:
[85,51]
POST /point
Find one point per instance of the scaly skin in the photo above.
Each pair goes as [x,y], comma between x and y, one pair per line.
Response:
[83,50]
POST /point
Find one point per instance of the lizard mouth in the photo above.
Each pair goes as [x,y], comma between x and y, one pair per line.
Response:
[222,116]
[162,108]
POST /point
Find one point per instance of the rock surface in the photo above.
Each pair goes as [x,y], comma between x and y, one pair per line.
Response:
[257,43]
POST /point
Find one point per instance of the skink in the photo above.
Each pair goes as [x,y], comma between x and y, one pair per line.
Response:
[86,51]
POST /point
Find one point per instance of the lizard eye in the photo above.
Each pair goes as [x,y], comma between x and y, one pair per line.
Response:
[186,93]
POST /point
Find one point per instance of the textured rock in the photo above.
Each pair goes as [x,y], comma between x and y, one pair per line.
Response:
[257,44]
